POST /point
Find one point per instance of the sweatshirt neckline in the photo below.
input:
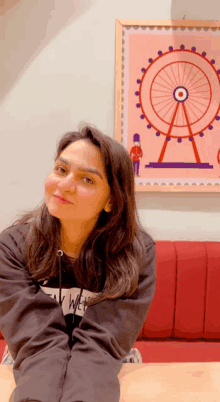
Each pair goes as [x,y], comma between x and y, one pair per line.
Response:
[70,255]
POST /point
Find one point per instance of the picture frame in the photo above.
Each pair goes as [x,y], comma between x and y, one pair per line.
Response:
[167,103]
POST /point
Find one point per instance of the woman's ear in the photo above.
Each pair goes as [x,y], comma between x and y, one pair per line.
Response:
[108,206]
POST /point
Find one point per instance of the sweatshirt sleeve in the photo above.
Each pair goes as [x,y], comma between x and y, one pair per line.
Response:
[33,325]
[105,335]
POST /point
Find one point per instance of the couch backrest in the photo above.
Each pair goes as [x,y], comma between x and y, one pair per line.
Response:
[187,297]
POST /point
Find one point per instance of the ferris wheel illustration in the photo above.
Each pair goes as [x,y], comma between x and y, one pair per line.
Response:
[179,97]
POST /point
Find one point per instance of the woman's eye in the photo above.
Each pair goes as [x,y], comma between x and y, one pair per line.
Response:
[59,167]
[85,177]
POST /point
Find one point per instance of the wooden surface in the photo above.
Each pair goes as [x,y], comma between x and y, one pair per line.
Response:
[153,382]
[176,382]
[7,382]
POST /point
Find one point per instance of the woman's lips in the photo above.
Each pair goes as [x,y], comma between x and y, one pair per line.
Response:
[58,199]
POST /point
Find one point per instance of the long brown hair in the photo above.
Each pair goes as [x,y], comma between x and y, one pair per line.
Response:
[114,252]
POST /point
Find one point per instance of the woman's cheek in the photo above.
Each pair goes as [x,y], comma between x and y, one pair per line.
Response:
[49,183]
[86,192]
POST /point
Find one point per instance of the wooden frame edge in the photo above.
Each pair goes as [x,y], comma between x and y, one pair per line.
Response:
[178,189]
[118,78]
[170,23]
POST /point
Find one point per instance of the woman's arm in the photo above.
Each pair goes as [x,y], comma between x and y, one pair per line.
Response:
[33,326]
[104,337]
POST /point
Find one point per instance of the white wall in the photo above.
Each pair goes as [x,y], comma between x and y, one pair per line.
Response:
[58,69]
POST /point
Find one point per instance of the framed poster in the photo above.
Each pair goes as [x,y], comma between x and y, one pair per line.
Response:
[167,103]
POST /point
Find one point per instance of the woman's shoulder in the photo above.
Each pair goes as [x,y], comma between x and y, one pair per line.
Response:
[147,238]
[14,236]
[14,229]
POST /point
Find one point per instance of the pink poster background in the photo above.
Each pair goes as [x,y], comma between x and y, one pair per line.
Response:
[185,77]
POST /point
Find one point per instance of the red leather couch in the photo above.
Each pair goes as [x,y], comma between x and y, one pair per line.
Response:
[183,322]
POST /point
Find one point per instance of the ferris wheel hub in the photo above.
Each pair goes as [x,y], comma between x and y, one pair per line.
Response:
[180,94]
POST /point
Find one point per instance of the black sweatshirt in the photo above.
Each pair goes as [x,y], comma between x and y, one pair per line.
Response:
[61,355]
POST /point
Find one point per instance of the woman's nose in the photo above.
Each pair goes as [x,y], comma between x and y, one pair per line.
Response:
[67,182]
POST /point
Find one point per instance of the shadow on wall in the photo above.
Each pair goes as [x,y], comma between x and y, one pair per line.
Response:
[26,28]
[195,10]
[6,7]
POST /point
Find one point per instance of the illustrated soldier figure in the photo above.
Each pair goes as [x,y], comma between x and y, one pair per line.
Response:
[136,153]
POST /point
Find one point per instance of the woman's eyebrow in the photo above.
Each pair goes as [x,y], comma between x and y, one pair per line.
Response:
[81,168]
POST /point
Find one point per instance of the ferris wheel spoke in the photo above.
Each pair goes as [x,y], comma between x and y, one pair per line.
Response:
[196,96]
[196,101]
[155,82]
[165,92]
[163,79]
[173,102]
[188,107]
[189,87]
[162,96]
[164,100]
[178,72]
[187,77]
[198,92]
[202,86]
[174,76]
[190,75]
[172,82]
[188,83]
[166,113]
[183,73]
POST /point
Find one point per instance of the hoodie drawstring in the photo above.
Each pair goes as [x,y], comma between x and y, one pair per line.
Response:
[60,254]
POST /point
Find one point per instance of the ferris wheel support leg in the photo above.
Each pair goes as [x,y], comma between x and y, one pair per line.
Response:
[168,135]
[198,160]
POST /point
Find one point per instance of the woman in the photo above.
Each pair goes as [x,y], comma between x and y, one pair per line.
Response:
[77,276]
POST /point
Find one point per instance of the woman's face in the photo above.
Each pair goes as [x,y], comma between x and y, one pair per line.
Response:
[88,193]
